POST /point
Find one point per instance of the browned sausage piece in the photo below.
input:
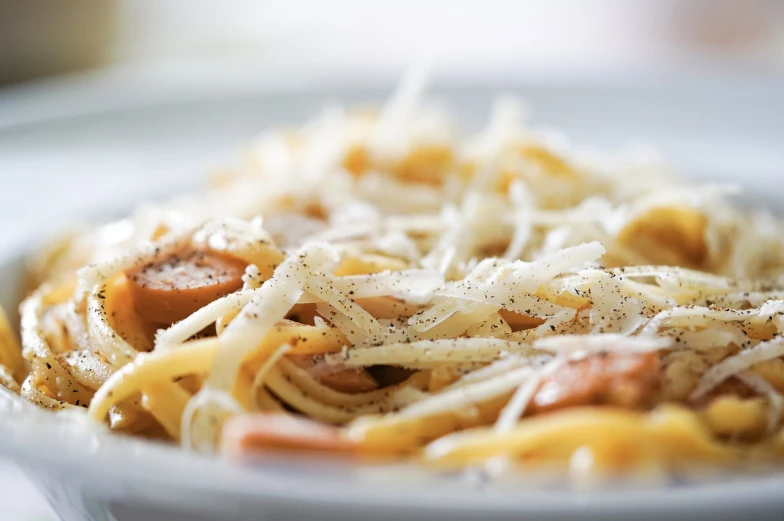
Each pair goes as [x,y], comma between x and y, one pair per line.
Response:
[622,379]
[168,290]
[352,380]
[281,431]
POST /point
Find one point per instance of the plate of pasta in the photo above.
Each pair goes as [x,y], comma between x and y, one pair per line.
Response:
[372,309]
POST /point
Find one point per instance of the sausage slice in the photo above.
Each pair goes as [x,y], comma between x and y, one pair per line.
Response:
[627,380]
[247,434]
[168,290]
[352,380]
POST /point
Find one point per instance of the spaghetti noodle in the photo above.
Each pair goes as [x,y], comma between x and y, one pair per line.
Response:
[371,283]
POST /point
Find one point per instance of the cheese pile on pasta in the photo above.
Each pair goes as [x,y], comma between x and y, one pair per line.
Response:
[373,283]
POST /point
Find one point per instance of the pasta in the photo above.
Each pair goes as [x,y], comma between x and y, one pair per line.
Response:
[372,283]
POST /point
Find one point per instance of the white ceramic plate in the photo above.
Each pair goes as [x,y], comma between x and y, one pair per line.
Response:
[87,160]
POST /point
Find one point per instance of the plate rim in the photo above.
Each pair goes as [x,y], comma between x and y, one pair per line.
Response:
[133,87]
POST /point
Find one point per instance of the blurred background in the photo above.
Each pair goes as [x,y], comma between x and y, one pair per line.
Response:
[60,61]
[359,39]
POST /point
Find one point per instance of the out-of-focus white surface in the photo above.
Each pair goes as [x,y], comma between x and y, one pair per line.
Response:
[20,500]
[357,38]
[465,39]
